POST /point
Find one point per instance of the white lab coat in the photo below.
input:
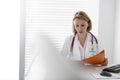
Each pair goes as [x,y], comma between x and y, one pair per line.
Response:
[80,52]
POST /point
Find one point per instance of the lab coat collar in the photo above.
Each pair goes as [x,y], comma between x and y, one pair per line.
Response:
[79,42]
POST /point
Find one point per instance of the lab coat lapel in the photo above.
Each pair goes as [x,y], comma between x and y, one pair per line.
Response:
[76,50]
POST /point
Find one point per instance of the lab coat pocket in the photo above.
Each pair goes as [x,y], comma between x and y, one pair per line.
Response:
[93,50]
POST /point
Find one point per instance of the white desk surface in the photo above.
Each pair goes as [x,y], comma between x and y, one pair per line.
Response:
[37,72]
[95,73]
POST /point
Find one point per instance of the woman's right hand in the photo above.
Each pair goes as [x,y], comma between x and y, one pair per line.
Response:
[105,63]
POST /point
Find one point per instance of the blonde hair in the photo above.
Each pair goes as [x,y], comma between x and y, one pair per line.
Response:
[82,15]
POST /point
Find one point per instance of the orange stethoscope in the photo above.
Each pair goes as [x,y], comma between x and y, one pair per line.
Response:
[72,44]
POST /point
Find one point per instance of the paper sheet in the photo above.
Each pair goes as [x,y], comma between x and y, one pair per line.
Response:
[98,76]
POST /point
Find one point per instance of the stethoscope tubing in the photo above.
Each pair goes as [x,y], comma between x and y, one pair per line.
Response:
[73,39]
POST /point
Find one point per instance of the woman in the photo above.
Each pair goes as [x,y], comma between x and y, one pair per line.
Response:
[83,44]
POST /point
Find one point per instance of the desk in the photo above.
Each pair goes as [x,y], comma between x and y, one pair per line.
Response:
[93,70]
[62,72]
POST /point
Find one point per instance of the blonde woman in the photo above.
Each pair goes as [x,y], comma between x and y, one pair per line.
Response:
[83,44]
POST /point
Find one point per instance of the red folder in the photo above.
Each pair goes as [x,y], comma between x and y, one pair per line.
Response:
[97,59]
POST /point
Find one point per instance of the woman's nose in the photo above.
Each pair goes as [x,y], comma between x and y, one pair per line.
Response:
[80,27]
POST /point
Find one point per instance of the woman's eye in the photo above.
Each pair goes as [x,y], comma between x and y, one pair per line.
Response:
[77,25]
[82,25]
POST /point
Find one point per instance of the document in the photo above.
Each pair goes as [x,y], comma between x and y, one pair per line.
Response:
[98,76]
[97,59]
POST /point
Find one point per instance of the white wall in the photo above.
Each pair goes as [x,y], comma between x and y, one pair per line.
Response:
[107,26]
[9,39]
[117,34]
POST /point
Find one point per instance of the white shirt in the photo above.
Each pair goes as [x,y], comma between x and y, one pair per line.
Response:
[79,52]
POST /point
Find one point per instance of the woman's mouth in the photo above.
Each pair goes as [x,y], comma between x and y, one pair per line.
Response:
[81,32]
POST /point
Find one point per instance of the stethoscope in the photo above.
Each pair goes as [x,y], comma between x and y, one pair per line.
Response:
[93,37]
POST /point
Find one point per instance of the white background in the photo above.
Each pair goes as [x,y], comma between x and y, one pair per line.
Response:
[10,31]
[9,39]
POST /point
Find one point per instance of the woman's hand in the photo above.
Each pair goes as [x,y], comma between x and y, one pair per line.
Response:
[105,62]
[102,64]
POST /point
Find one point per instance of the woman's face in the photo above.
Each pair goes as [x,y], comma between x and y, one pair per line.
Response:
[80,25]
